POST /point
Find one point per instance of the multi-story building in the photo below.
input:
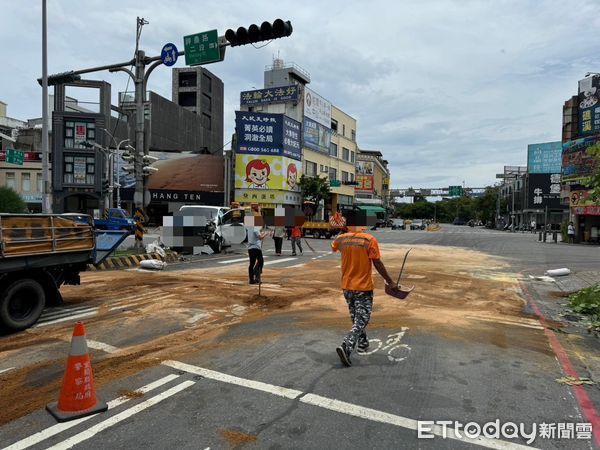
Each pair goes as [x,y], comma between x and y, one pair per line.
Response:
[327,145]
[373,178]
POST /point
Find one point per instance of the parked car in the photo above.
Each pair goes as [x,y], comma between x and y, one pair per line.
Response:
[398,224]
[417,224]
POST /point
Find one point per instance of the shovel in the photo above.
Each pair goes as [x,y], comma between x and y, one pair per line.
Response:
[398,291]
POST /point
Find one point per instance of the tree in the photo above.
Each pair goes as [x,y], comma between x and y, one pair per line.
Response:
[314,189]
[10,201]
[485,206]
[594,183]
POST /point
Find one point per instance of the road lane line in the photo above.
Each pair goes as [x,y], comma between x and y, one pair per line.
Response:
[218,376]
[92,431]
[101,346]
[341,407]
[277,261]
[53,312]
[60,427]
[6,370]
[64,319]
[297,265]
[231,261]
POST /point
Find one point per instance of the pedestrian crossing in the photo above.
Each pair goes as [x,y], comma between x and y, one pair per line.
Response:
[65,313]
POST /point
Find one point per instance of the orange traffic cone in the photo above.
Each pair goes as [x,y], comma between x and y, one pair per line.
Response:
[78,394]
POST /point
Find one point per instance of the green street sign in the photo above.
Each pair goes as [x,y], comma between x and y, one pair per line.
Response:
[202,48]
[14,156]
[455,191]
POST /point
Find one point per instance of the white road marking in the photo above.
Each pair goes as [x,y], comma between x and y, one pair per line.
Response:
[6,370]
[196,317]
[55,312]
[230,261]
[92,431]
[60,427]
[277,261]
[257,385]
[341,407]
[64,319]
[101,346]
[297,265]
[129,305]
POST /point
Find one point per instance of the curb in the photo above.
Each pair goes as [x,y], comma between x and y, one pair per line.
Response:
[124,262]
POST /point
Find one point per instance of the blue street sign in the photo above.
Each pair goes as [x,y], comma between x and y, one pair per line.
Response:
[168,55]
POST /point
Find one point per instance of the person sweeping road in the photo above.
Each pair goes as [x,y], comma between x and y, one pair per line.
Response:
[359,252]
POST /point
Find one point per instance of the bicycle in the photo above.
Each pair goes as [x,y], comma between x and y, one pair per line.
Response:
[397,351]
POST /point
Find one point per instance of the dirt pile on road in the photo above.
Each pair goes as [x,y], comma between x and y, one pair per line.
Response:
[153,316]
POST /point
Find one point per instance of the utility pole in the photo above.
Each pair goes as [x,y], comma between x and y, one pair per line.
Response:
[46,204]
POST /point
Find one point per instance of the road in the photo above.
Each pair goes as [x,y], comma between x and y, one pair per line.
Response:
[193,357]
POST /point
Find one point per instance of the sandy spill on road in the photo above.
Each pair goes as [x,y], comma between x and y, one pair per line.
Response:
[459,294]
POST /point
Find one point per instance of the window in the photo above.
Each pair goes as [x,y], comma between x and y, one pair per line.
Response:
[343,130]
[26,182]
[311,169]
[39,182]
[187,99]
[332,173]
[334,125]
[76,133]
[206,83]
[345,153]
[206,121]
[333,149]
[79,170]
[351,156]
[187,79]
[10,180]
[351,176]
[344,176]
[206,103]
[353,132]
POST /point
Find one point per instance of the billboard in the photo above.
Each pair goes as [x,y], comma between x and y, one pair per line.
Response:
[317,108]
[544,190]
[576,163]
[316,136]
[583,198]
[544,158]
[273,95]
[364,168]
[267,134]
[257,172]
[365,183]
[589,105]
[268,196]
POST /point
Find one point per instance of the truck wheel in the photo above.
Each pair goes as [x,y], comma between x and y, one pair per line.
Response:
[328,235]
[21,304]
[317,234]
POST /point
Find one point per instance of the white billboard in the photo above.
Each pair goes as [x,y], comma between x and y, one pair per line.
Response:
[317,108]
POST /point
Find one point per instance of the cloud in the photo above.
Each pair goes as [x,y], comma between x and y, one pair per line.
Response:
[447,90]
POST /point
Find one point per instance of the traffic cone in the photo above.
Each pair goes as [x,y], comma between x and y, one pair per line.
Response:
[78,394]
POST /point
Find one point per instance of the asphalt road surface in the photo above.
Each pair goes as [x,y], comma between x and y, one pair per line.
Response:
[193,358]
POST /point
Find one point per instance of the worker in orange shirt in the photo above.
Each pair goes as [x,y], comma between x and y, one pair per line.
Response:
[296,239]
[359,252]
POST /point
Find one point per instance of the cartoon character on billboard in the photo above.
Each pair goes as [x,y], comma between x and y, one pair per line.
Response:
[257,174]
[292,176]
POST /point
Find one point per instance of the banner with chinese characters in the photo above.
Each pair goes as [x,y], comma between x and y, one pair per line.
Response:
[583,198]
[365,183]
[544,190]
[577,165]
[267,172]
[267,134]
[267,197]
[317,108]
[316,136]
[544,158]
[589,105]
[272,95]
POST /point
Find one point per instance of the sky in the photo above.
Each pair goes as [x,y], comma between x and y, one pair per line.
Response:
[449,91]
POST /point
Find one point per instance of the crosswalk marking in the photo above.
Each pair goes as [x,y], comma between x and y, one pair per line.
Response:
[231,261]
[277,261]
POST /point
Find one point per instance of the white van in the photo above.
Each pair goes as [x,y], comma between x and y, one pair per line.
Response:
[228,224]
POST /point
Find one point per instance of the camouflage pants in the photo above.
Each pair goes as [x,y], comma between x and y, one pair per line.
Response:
[360,305]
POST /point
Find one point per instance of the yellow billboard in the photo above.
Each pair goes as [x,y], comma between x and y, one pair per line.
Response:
[262,172]
[267,196]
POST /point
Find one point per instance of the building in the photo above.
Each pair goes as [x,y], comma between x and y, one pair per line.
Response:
[373,177]
[322,144]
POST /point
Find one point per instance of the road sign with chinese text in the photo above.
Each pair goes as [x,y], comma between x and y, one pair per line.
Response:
[14,156]
[455,191]
[202,48]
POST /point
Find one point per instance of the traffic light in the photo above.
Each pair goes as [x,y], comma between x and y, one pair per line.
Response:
[126,156]
[61,78]
[254,33]
[105,185]
[149,170]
